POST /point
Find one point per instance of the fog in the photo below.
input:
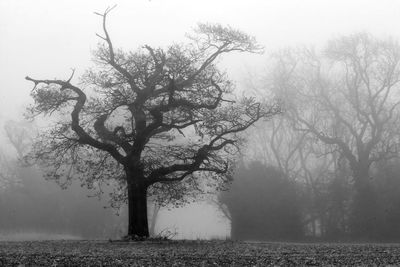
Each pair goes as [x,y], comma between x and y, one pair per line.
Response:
[46,39]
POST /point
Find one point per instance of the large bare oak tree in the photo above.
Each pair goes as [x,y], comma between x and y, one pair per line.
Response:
[158,120]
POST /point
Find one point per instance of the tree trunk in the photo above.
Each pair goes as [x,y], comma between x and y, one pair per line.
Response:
[137,206]
[364,206]
[154,216]
[313,228]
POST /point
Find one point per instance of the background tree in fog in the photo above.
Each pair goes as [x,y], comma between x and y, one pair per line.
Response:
[388,194]
[154,120]
[20,135]
[307,165]
[262,204]
[31,205]
[20,141]
[347,99]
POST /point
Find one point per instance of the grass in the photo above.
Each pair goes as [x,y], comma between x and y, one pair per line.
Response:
[193,253]
[35,236]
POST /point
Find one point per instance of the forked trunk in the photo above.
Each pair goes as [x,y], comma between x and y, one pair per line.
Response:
[137,206]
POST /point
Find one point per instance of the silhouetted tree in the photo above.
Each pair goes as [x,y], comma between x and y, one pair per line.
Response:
[262,204]
[149,119]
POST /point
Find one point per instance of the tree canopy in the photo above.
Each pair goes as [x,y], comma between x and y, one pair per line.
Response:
[344,101]
[148,119]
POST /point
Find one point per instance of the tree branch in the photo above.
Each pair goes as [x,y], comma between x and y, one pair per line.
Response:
[84,137]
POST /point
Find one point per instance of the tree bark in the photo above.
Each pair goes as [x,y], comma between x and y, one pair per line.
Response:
[364,205]
[137,207]
[154,216]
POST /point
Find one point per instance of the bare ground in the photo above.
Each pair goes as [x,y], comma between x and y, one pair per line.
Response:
[192,253]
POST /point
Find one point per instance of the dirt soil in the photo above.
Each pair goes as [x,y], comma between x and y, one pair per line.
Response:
[193,253]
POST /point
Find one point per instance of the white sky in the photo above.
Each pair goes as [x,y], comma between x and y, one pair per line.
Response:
[46,38]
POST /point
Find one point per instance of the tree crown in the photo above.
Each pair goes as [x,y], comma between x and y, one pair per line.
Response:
[162,114]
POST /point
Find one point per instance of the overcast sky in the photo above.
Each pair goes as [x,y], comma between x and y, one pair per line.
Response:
[46,38]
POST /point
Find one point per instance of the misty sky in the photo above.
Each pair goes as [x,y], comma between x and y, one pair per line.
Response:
[46,38]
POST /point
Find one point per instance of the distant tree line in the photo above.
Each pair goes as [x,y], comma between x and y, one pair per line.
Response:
[31,205]
[264,204]
[328,167]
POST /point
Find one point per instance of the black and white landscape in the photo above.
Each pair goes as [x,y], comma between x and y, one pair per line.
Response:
[199,133]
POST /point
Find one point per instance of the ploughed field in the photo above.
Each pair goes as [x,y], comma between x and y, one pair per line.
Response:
[193,253]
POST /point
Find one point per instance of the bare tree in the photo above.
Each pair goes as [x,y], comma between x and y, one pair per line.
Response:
[158,117]
[346,99]
[301,159]
[8,174]
[20,135]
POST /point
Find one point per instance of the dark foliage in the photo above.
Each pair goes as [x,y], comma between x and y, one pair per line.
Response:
[386,185]
[36,207]
[262,204]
